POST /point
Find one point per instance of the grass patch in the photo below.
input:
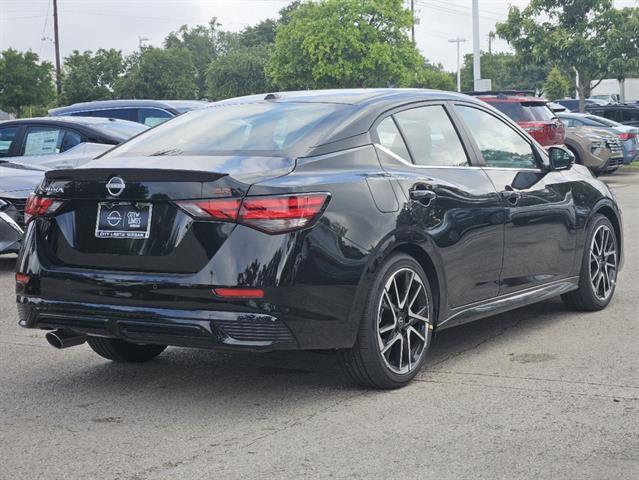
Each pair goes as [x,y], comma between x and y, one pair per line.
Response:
[634,164]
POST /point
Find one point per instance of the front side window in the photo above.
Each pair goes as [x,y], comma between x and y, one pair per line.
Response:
[390,138]
[7,136]
[431,137]
[500,145]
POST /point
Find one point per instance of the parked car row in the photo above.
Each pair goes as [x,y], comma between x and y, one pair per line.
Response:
[600,144]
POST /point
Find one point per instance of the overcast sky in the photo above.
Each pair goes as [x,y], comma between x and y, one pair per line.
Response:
[93,24]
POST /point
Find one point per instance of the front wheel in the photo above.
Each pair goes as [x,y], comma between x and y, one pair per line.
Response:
[124,352]
[396,328]
[598,276]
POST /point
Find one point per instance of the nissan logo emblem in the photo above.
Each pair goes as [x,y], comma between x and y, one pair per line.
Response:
[115,186]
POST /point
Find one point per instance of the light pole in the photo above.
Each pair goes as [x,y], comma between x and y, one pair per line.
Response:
[476,57]
[141,41]
[458,40]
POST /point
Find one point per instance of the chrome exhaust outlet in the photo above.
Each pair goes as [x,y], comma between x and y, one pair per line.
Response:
[64,338]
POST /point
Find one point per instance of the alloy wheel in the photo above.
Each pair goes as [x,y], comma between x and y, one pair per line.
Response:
[603,262]
[403,321]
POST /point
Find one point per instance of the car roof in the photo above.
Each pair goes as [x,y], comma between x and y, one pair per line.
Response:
[133,103]
[62,121]
[512,99]
[354,96]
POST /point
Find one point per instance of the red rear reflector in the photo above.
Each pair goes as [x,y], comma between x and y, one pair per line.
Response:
[239,292]
[38,206]
[22,278]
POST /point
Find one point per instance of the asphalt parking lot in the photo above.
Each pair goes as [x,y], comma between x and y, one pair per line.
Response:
[540,393]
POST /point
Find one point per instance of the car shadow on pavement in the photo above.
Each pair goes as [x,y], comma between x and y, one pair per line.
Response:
[241,380]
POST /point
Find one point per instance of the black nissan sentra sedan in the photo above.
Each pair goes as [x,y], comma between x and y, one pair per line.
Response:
[353,220]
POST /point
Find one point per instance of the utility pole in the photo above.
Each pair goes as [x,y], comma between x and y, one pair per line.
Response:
[458,40]
[476,57]
[412,28]
[491,36]
[56,41]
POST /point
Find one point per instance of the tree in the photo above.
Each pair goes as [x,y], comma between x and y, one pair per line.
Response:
[568,33]
[556,85]
[507,72]
[432,76]
[260,34]
[239,72]
[344,43]
[90,77]
[24,81]
[159,74]
[204,44]
[622,44]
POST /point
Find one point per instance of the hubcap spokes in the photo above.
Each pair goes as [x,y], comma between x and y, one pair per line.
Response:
[603,262]
[403,321]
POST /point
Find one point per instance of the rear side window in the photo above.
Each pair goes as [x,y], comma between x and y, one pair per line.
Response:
[431,137]
[630,115]
[152,116]
[7,136]
[390,138]
[500,145]
[130,114]
[263,128]
[42,141]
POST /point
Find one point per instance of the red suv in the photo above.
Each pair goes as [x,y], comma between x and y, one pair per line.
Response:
[532,114]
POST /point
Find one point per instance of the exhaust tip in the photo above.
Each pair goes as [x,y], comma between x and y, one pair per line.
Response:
[64,339]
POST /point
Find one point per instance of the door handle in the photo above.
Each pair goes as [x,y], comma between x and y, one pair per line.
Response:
[511,195]
[422,194]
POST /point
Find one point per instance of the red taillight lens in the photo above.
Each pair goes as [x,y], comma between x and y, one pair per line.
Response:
[22,278]
[270,214]
[224,209]
[38,206]
[626,136]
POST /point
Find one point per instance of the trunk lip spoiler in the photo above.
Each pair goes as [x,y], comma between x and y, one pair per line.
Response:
[134,174]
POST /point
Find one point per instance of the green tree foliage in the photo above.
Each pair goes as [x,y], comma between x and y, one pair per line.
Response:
[24,81]
[261,34]
[432,76]
[344,43]
[159,74]
[622,42]
[556,86]
[239,72]
[570,33]
[204,44]
[89,76]
[507,72]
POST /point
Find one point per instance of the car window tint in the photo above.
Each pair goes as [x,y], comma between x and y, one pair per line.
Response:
[70,140]
[152,116]
[431,137]
[513,110]
[390,138]
[7,136]
[42,141]
[500,145]
[629,115]
[122,113]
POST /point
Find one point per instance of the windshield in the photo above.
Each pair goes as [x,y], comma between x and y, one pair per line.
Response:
[267,128]
[525,111]
[121,131]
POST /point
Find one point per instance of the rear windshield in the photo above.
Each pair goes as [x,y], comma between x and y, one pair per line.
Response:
[603,121]
[525,111]
[267,128]
[121,131]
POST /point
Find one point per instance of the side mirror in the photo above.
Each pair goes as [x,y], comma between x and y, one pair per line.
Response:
[560,159]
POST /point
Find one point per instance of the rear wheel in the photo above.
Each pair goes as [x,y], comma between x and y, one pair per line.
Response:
[599,265]
[124,352]
[396,328]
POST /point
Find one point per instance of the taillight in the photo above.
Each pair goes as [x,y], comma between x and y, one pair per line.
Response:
[270,214]
[534,127]
[626,136]
[38,206]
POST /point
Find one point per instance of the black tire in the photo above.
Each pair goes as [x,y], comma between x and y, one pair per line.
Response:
[124,352]
[585,298]
[364,362]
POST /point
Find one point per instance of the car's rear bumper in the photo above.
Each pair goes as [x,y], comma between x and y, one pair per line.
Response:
[188,328]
